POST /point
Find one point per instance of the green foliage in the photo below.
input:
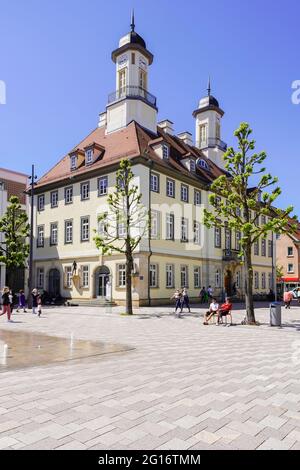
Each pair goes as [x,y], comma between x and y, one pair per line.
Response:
[14,249]
[124,208]
[240,206]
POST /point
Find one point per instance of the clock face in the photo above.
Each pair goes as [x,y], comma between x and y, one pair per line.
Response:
[143,63]
[123,59]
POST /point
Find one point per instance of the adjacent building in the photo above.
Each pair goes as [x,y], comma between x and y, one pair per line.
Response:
[12,183]
[288,259]
[174,174]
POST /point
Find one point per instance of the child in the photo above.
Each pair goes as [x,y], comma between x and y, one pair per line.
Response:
[22,301]
[39,305]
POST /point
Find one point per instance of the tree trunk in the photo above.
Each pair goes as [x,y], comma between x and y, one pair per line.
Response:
[129,266]
[249,285]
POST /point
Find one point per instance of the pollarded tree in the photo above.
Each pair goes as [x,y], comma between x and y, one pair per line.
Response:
[239,205]
[124,224]
[14,228]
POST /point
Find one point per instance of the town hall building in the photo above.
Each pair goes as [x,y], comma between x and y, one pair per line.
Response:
[173,173]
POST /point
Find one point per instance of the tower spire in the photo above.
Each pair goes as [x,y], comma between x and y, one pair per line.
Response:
[132,25]
[208,86]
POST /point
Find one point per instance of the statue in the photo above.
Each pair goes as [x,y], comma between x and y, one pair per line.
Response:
[74,271]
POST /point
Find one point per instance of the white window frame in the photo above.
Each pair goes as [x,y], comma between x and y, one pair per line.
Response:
[256,280]
[85,191]
[154,182]
[41,202]
[40,236]
[69,195]
[102,185]
[290,268]
[89,156]
[121,275]
[170,226]
[68,232]
[197,277]
[153,275]
[197,197]
[218,237]
[73,162]
[85,276]
[84,229]
[155,224]
[40,278]
[197,233]
[184,230]
[68,274]
[292,253]
[54,234]
[184,193]
[170,187]
[54,199]
[170,278]
[184,275]
[263,281]
[165,151]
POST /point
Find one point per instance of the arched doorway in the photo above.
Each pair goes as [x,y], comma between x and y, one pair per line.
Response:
[102,282]
[228,282]
[54,282]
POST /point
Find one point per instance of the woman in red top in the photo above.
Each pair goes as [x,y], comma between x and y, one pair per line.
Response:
[225,310]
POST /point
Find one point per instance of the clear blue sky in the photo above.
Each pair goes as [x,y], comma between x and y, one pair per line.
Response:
[55,61]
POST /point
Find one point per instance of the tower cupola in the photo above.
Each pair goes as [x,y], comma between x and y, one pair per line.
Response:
[131,100]
[208,117]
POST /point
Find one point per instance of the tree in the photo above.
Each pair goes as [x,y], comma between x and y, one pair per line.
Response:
[123,225]
[279,271]
[14,228]
[239,205]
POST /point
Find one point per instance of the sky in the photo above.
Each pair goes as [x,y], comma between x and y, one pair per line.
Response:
[55,62]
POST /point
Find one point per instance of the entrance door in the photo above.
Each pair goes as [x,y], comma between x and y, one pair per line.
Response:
[54,282]
[227,283]
[102,280]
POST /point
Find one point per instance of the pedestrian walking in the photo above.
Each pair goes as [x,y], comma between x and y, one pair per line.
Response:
[34,295]
[22,302]
[6,303]
[11,300]
[203,295]
[178,300]
[287,298]
[185,300]
[210,292]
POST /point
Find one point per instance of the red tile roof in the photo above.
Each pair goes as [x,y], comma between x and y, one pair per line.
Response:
[132,141]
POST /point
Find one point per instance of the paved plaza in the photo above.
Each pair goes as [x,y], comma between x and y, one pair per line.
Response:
[177,385]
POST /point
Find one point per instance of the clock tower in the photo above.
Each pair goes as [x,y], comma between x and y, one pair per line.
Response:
[131,100]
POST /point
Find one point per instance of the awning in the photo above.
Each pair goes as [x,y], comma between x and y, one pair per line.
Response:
[290,279]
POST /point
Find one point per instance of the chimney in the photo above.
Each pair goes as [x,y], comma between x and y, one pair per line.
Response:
[102,119]
[166,126]
[186,137]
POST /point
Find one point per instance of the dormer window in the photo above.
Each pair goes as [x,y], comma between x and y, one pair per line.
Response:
[166,151]
[73,162]
[202,164]
[192,166]
[89,156]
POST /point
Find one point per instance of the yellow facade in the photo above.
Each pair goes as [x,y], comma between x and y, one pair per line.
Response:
[195,264]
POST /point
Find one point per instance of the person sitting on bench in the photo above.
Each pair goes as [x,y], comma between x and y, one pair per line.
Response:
[213,310]
[225,310]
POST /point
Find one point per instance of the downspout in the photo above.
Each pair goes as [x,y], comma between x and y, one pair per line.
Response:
[149,231]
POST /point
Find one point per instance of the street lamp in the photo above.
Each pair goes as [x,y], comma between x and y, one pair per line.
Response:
[32,178]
